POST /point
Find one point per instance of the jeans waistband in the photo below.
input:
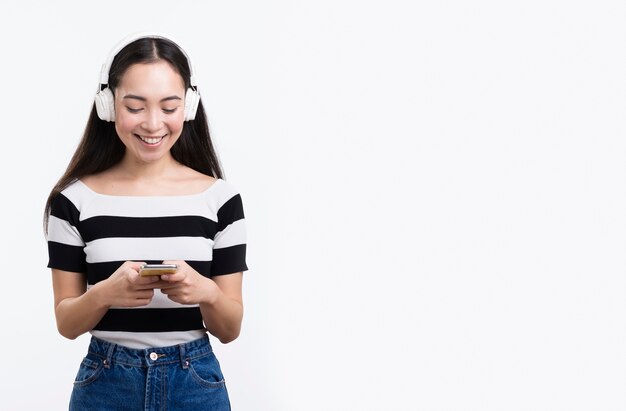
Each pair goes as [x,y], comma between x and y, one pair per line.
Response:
[111,353]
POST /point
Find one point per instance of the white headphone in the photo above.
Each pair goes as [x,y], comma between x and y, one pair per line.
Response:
[105,102]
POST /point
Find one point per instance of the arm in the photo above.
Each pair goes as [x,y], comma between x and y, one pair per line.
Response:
[78,309]
[219,298]
[223,313]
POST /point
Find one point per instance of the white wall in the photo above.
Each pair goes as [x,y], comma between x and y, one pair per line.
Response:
[434,192]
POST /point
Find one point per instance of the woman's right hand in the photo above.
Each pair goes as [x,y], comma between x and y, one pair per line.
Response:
[126,288]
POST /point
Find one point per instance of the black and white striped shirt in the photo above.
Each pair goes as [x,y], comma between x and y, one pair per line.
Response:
[95,233]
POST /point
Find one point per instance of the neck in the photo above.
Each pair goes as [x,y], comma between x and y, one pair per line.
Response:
[135,170]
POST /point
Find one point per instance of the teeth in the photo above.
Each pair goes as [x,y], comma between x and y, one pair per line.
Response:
[151,140]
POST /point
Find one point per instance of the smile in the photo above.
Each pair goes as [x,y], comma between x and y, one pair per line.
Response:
[150,140]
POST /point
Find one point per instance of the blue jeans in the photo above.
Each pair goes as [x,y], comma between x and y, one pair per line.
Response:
[180,377]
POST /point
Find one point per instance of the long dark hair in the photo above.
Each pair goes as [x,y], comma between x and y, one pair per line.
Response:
[100,148]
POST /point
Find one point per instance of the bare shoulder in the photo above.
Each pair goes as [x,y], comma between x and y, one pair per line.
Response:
[194,181]
[98,182]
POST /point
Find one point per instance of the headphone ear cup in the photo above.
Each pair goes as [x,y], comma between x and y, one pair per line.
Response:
[192,100]
[105,105]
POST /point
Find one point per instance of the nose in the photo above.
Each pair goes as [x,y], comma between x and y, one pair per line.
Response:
[152,120]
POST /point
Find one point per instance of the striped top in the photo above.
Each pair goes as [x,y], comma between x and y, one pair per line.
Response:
[94,234]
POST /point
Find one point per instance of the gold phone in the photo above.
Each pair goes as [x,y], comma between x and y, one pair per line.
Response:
[157,269]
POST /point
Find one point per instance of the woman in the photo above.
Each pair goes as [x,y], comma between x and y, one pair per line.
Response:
[145,186]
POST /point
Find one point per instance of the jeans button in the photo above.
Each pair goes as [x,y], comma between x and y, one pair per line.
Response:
[154,356]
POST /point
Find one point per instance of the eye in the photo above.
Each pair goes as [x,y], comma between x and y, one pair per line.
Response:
[169,110]
[133,110]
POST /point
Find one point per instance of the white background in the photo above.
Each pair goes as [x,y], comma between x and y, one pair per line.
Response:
[434,193]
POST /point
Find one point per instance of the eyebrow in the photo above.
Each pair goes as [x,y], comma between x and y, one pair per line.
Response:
[135,97]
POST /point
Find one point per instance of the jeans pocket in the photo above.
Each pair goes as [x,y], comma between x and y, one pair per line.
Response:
[88,372]
[206,371]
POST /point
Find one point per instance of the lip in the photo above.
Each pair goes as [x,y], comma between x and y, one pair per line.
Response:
[143,139]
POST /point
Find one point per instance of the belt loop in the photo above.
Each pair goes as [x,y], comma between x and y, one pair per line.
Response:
[107,361]
[184,361]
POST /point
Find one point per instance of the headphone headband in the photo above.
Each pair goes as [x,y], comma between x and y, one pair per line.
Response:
[104,72]
[105,101]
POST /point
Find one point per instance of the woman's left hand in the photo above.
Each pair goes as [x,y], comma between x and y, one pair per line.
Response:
[187,286]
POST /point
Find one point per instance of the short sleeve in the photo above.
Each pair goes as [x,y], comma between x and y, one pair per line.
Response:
[229,248]
[65,244]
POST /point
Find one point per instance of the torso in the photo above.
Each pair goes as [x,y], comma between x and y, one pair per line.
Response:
[95,232]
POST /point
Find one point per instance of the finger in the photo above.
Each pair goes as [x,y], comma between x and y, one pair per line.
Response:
[173,278]
[144,294]
[147,280]
[173,297]
[131,272]
[168,288]
[135,264]
[138,302]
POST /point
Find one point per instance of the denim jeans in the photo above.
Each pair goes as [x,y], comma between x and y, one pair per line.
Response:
[180,377]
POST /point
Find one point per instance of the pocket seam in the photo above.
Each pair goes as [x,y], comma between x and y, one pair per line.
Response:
[210,384]
[97,368]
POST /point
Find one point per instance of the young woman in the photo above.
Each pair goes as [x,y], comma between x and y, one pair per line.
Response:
[145,186]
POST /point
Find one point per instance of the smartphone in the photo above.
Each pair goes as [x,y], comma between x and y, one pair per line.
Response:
[157,269]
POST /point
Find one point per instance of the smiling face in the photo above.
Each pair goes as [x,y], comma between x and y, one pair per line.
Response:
[149,110]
